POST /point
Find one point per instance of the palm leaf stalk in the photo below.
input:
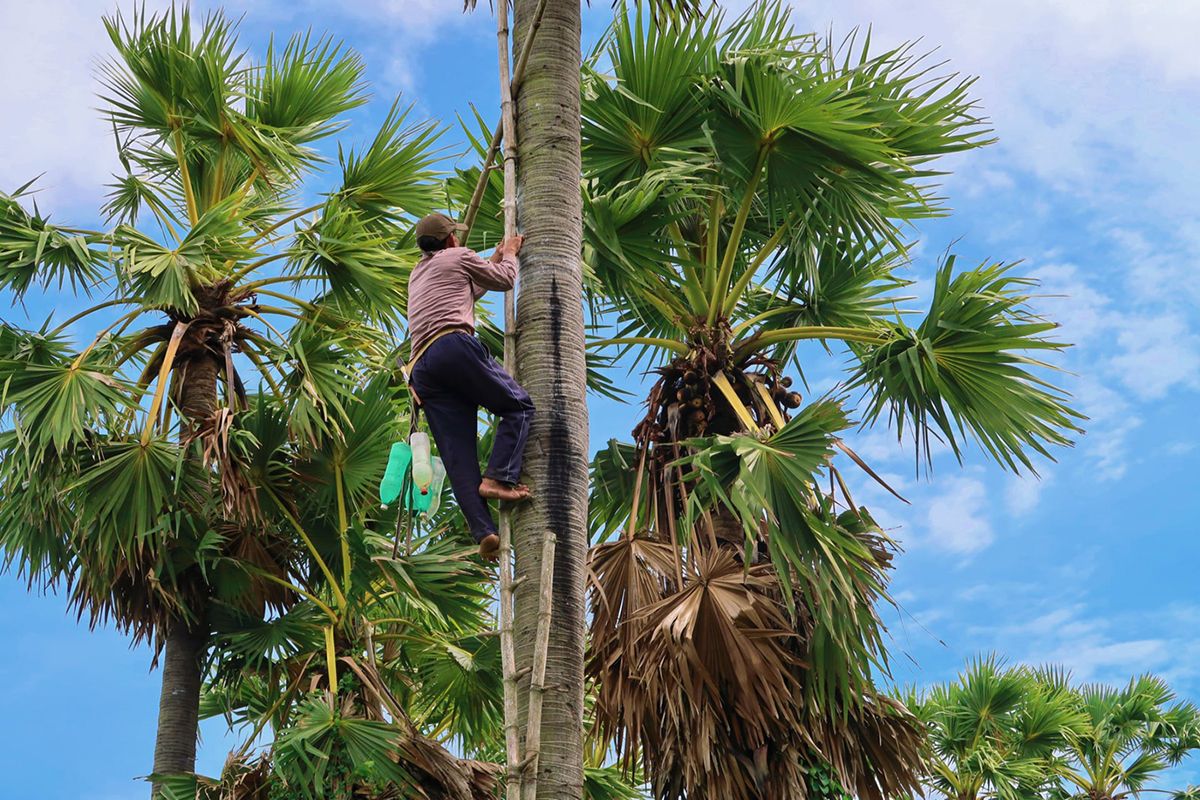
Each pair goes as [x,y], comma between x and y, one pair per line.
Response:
[735,641]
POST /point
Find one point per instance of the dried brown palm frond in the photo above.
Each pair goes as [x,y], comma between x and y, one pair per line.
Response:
[246,780]
[709,687]
[876,750]
[262,551]
[441,776]
[239,498]
[698,682]
[627,576]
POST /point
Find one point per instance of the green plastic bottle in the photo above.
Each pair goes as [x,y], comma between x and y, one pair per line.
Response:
[399,460]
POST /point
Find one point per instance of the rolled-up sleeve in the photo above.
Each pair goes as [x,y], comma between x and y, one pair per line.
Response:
[488,275]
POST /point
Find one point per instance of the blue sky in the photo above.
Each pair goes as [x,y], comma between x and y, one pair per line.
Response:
[1094,185]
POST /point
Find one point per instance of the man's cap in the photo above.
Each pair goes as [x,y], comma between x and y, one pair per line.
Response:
[439,226]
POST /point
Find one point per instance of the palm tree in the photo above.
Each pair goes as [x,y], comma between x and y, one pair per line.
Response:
[744,192]
[129,472]
[549,347]
[361,696]
[1132,736]
[550,351]
[367,698]
[997,732]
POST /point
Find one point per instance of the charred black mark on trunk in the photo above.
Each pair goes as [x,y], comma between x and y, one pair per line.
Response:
[562,460]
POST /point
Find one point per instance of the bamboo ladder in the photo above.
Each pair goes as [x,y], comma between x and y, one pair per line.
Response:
[522,757]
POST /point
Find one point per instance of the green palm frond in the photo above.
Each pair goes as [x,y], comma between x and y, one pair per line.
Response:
[35,252]
[771,482]
[646,119]
[609,783]
[257,643]
[457,689]
[965,371]
[130,487]
[613,473]
[302,89]
[357,263]
[834,283]
[320,377]
[437,582]
[170,71]
[394,179]
[63,404]
[324,751]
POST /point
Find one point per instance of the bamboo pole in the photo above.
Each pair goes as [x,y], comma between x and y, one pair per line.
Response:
[537,677]
[498,134]
[512,734]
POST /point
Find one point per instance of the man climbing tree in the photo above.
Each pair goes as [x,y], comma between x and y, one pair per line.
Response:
[452,374]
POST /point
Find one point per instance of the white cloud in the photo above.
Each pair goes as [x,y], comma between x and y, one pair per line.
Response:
[956,517]
[1074,301]
[1157,354]
[51,51]
[1128,351]
[48,58]
[1022,493]
[1111,422]
[1053,624]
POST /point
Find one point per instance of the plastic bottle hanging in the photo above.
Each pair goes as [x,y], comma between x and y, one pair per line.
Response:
[435,488]
[399,458]
[422,461]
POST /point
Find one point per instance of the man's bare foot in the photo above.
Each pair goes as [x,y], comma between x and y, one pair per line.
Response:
[489,547]
[493,489]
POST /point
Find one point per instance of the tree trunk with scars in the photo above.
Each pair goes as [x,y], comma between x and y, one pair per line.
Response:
[179,702]
[183,652]
[550,353]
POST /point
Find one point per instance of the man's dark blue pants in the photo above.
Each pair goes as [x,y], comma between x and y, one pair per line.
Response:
[453,378]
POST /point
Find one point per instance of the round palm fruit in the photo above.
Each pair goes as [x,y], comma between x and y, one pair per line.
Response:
[785,381]
[684,395]
[691,377]
[697,402]
[792,400]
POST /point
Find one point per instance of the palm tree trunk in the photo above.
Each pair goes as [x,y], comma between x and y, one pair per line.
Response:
[550,354]
[179,700]
[179,703]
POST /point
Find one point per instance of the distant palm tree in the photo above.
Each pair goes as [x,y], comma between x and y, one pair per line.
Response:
[996,733]
[744,192]
[132,470]
[1133,735]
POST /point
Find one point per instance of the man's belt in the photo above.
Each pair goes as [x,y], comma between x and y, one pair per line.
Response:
[407,369]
